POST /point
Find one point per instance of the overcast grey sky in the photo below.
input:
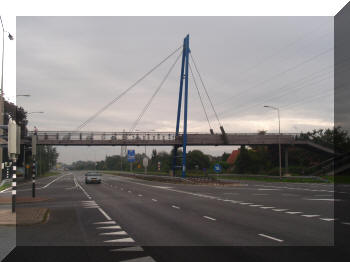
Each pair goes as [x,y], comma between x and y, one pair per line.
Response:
[73,66]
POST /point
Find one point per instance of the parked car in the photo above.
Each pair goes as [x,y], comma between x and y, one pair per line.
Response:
[92,177]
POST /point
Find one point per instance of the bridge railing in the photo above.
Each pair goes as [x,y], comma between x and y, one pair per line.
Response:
[66,135]
[165,136]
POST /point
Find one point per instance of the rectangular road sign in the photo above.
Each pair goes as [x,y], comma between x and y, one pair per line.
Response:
[131,155]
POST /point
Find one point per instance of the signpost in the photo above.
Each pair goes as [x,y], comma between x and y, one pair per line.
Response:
[131,157]
[217,168]
[145,164]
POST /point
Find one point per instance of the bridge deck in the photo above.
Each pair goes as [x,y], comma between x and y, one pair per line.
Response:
[73,138]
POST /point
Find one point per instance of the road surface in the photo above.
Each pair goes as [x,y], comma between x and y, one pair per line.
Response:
[125,218]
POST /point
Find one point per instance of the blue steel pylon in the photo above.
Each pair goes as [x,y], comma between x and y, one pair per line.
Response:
[183,76]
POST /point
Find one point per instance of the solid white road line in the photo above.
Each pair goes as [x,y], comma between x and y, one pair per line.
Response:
[117,233]
[121,240]
[104,213]
[293,213]
[175,207]
[105,223]
[110,227]
[273,238]
[55,180]
[154,200]
[310,215]
[210,218]
[127,249]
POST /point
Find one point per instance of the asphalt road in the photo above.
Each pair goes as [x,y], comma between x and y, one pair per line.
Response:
[125,218]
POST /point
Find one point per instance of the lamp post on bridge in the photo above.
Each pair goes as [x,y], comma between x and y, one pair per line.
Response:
[279,137]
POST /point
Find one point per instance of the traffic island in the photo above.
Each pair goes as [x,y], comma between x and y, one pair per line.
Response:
[24,216]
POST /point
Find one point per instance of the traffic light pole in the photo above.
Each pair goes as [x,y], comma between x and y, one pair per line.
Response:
[14,185]
[33,177]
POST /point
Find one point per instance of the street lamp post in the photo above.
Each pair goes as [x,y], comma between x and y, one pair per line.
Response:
[279,137]
[2,101]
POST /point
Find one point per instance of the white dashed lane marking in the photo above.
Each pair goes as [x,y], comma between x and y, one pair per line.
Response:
[293,213]
[270,237]
[310,215]
[127,249]
[176,207]
[105,223]
[109,227]
[255,205]
[117,233]
[154,200]
[267,207]
[327,219]
[245,203]
[279,210]
[210,218]
[139,195]
[120,240]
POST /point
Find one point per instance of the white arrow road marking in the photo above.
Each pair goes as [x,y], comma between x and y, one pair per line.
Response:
[118,233]
[105,223]
[273,238]
[109,227]
[121,240]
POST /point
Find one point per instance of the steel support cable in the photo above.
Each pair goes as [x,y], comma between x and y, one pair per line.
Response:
[199,95]
[205,89]
[249,107]
[278,75]
[303,81]
[286,92]
[126,90]
[154,94]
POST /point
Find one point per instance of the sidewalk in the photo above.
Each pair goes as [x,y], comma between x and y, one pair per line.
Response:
[23,216]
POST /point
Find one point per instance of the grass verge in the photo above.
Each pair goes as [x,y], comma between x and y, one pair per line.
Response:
[277,179]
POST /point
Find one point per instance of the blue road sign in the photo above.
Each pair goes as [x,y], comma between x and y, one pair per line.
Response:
[217,168]
[131,155]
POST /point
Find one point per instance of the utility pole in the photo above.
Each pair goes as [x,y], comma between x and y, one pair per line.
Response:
[2,100]
[279,138]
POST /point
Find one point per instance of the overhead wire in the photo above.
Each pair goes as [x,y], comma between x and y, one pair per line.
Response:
[126,90]
[153,96]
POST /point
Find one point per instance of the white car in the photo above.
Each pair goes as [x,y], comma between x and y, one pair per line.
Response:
[91,177]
